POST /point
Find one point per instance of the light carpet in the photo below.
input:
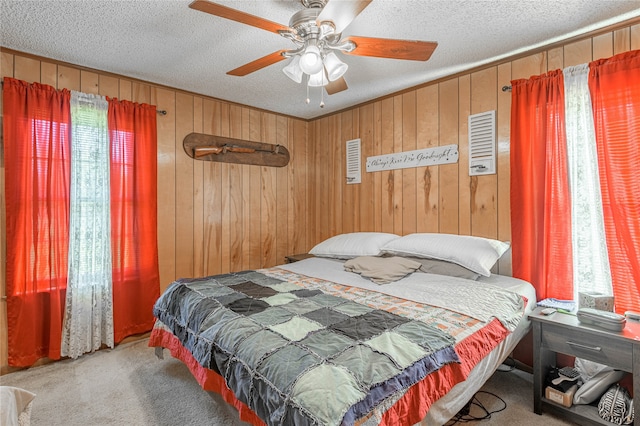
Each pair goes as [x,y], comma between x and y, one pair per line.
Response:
[128,385]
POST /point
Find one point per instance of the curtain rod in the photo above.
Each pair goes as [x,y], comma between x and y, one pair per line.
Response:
[506,88]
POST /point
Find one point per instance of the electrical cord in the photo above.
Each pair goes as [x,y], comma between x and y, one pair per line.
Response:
[465,416]
[508,365]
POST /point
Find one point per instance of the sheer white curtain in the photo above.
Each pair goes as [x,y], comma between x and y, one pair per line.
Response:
[88,320]
[590,260]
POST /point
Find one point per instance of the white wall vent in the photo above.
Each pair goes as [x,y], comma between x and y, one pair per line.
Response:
[482,143]
[353,161]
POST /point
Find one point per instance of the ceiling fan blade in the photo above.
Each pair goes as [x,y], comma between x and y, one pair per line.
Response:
[342,12]
[237,15]
[336,86]
[413,50]
[258,64]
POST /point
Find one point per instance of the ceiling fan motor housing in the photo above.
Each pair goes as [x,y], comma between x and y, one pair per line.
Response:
[314,3]
[304,22]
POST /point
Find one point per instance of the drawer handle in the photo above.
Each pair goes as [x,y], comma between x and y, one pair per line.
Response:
[578,345]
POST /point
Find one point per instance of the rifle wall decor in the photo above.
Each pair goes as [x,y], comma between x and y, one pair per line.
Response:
[228,150]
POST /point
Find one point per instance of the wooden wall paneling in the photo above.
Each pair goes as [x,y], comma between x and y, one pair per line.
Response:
[464,182]
[184,188]
[246,195]
[89,82]
[428,178]
[448,174]
[6,70]
[212,174]
[386,177]
[255,191]
[126,89]
[484,196]
[622,40]
[282,194]
[166,100]
[224,250]
[268,207]
[635,37]
[294,203]
[536,64]
[397,175]
[552,60]
[302,132]
[336,176]
[27,69]
[48,73]
[366,188]
[320,149]
[236,197]
[409,176]
[68,78]
[312,171]
[299,184]
[348,206]
[356,189]
[603,46]
[503,127]
[217,203]
[579,52]
[141,93]
[6,66]
[198,194]
[377,176]
[108,86]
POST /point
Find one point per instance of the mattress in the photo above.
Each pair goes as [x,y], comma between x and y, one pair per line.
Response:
[417,378]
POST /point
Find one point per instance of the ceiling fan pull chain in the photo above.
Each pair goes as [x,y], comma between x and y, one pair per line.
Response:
[308,77]
[321,96]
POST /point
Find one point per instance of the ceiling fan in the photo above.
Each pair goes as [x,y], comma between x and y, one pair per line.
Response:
[317,33]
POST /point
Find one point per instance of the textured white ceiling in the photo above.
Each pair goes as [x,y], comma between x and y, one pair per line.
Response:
[166,42]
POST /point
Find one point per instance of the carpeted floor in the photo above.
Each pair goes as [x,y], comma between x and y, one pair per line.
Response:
[128,385]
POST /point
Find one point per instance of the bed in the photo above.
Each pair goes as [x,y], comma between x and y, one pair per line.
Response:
[321,342]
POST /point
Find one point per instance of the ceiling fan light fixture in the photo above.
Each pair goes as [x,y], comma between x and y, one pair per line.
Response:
[293,70]
[335,67]
[310,60]
[318,79]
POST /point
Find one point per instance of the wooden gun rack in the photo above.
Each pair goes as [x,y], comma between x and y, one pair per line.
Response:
[228,150]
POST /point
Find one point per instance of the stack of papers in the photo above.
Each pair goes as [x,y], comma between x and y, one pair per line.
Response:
[565,305]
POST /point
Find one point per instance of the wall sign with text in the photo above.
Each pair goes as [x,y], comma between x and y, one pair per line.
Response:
[446,154]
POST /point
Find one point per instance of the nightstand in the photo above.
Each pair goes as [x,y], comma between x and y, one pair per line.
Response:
[563,333]
[297,257]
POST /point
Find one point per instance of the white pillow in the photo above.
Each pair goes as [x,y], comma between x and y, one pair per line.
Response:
[475,253]
[348,246]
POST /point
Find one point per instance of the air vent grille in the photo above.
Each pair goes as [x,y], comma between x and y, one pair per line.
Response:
[482,143]
[353,161]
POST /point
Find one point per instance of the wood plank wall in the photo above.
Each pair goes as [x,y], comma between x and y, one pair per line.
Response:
[215,217]
[212,217]
[438,198]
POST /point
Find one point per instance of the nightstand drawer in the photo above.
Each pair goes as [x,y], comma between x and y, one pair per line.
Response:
[593,346]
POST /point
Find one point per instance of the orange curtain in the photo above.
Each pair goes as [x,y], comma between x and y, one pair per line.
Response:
[136,278]
[37,136]
[614,84]
[540,203]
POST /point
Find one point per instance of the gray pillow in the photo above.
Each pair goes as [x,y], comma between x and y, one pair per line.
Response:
[442,267]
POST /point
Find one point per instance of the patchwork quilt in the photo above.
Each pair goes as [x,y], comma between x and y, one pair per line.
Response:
[299,352]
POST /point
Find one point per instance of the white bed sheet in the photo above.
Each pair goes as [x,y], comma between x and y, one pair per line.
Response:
[447,406]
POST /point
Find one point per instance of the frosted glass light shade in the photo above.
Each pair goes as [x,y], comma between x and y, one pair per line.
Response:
[311,61]
[335,67]
[293,70]
[318,79]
